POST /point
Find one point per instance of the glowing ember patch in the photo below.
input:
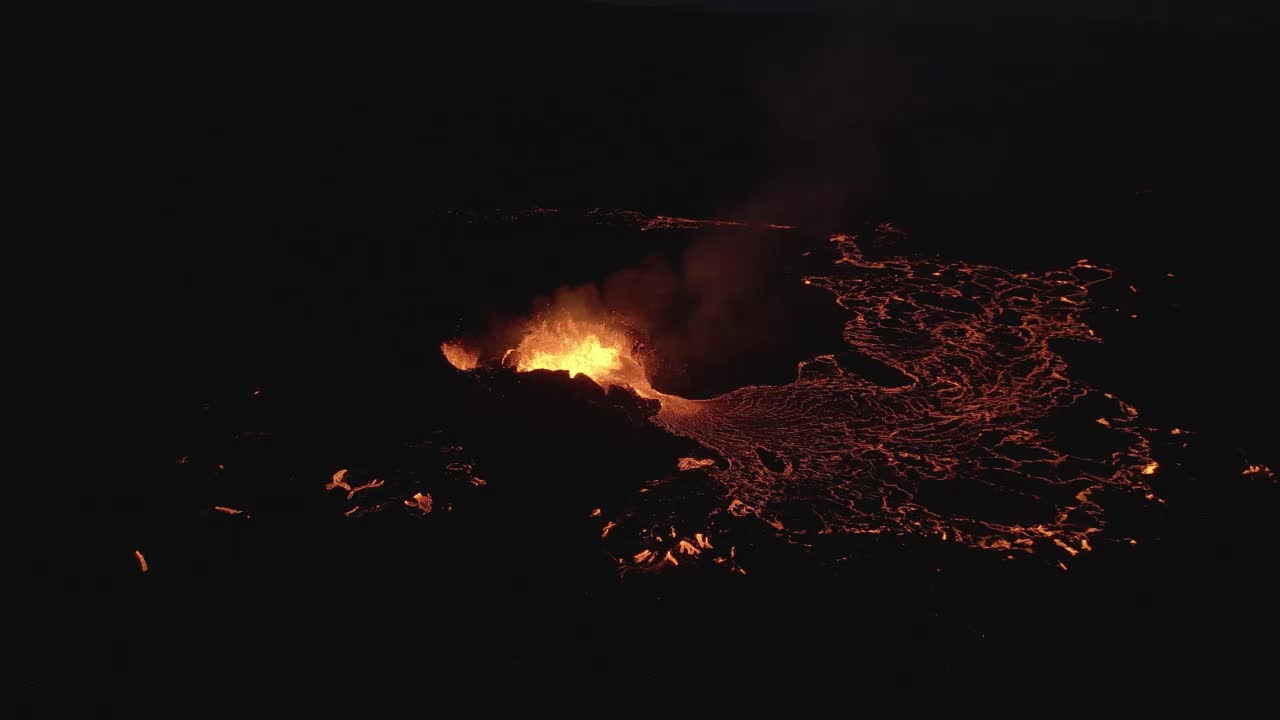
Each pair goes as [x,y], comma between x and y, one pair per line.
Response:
[374,483]
[1257,470]
[608,526]
[1150,468]
[421,501]
[459,357]
[227,510]
[688,463]
[595,513]
[339,481]
[142,561]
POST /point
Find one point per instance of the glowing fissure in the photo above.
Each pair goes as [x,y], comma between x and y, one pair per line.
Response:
[963,452]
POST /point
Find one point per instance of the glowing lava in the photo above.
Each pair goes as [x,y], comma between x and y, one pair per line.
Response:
[968,450]
[459,357]
[595,349]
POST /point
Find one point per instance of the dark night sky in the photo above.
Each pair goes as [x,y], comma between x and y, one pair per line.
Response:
[1142,9]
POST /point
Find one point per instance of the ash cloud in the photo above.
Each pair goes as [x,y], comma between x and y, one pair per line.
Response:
[830,118]
[724,303]
[710,310]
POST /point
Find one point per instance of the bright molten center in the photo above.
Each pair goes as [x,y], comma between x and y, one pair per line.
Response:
[581,347]
[580,356]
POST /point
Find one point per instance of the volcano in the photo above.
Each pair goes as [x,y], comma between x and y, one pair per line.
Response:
[631,351]
[930,439]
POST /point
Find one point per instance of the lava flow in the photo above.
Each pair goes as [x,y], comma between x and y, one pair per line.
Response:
[975,445]
[968,449]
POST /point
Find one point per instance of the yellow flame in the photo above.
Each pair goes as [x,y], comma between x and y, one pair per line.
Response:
[602,353]
[584,356]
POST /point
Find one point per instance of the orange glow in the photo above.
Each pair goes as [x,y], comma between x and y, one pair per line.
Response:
[339,481]
[459,357]
[1257,470]
[227,510]
[579,353]
[1150,468]
[376,482]
[594,349]
[688,463]
[142,561]
[580,347]
[421,501]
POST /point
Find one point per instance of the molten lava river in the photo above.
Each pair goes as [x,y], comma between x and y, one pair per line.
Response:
[969,448]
